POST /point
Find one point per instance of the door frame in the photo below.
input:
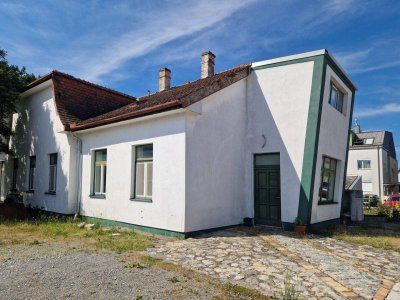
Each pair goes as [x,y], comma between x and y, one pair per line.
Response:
[265,167]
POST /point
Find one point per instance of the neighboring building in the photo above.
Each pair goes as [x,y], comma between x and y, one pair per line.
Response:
[372,155]
[266,140]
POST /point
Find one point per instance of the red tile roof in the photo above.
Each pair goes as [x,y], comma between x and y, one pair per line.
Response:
[79,100]
[176,97]
[82,105]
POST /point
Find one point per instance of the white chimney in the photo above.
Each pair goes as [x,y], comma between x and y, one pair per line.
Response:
[207,64]
[165,79]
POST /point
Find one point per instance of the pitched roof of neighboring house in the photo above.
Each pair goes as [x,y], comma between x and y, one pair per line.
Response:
[176,97]
[77,100]
[349,181]
[380,138]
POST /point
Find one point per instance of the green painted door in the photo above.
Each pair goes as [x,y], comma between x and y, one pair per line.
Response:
[267,192]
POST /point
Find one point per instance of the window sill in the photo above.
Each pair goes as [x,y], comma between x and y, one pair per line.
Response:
[50,193]
[327,202]
[148,200]
[98,196]
[30,192]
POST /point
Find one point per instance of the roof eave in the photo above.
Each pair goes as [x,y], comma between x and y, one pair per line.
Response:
[135,114]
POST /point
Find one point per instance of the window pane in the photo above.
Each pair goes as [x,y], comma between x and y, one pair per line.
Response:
[97,179]
[333,165]
[140,179]
[149,179]
[32,161]
[15,163]
[53,159]
[368,141]
[331,189]
[327,163]
[144,152]
[339,102]
[52,178]
[101,155]
[104,178]
[367,164]
[333,98]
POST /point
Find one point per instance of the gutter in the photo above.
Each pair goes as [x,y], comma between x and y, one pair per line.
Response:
[135,114]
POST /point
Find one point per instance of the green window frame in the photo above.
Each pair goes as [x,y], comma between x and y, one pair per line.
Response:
[100,172]
[143,179]
[328,180]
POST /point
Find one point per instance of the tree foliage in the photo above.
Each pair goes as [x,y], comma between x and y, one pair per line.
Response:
[12,81]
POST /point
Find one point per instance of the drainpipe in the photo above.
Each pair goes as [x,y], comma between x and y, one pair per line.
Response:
[379,175]
[78,175]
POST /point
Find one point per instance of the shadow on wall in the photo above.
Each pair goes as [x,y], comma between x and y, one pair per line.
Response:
[281,135]
[34,135]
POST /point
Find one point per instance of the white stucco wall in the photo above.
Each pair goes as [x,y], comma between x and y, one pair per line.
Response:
[278,103]
[216,160]
[368,175]
[37,130]
[333,139]
[167,134]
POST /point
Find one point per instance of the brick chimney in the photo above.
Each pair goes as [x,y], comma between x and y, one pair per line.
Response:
[165,79]
[207,64]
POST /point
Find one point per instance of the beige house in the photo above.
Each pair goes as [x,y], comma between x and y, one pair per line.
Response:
[372,155]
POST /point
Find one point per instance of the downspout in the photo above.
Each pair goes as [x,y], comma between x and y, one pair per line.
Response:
[78,175]
[379,174]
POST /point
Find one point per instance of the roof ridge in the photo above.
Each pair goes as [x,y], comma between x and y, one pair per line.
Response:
[92,84]
[194,81]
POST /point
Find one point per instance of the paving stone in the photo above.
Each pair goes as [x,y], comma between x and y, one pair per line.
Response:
[262,267]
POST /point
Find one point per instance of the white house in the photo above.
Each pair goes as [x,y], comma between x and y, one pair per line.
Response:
[372,155]
[266,141]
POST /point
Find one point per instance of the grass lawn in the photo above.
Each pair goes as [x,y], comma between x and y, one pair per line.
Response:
[44,229]
[128,242]
[366,234]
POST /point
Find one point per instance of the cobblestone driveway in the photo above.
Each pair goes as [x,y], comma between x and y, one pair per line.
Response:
[317,267]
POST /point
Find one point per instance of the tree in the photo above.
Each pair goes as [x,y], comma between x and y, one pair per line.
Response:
[12,81]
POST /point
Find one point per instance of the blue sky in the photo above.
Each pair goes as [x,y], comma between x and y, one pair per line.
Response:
[123,44]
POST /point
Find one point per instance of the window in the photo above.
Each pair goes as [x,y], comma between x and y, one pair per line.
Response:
[336,98]
[328,176]
[367,187]
[363,164]
[368,141]
[32,168]
[14,174]
[53,173]
[144,171]
[100,172]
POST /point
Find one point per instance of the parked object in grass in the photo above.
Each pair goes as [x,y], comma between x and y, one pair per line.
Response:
[370,200]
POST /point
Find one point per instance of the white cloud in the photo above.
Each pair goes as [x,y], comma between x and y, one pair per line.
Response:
[389,108]
[163,27]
